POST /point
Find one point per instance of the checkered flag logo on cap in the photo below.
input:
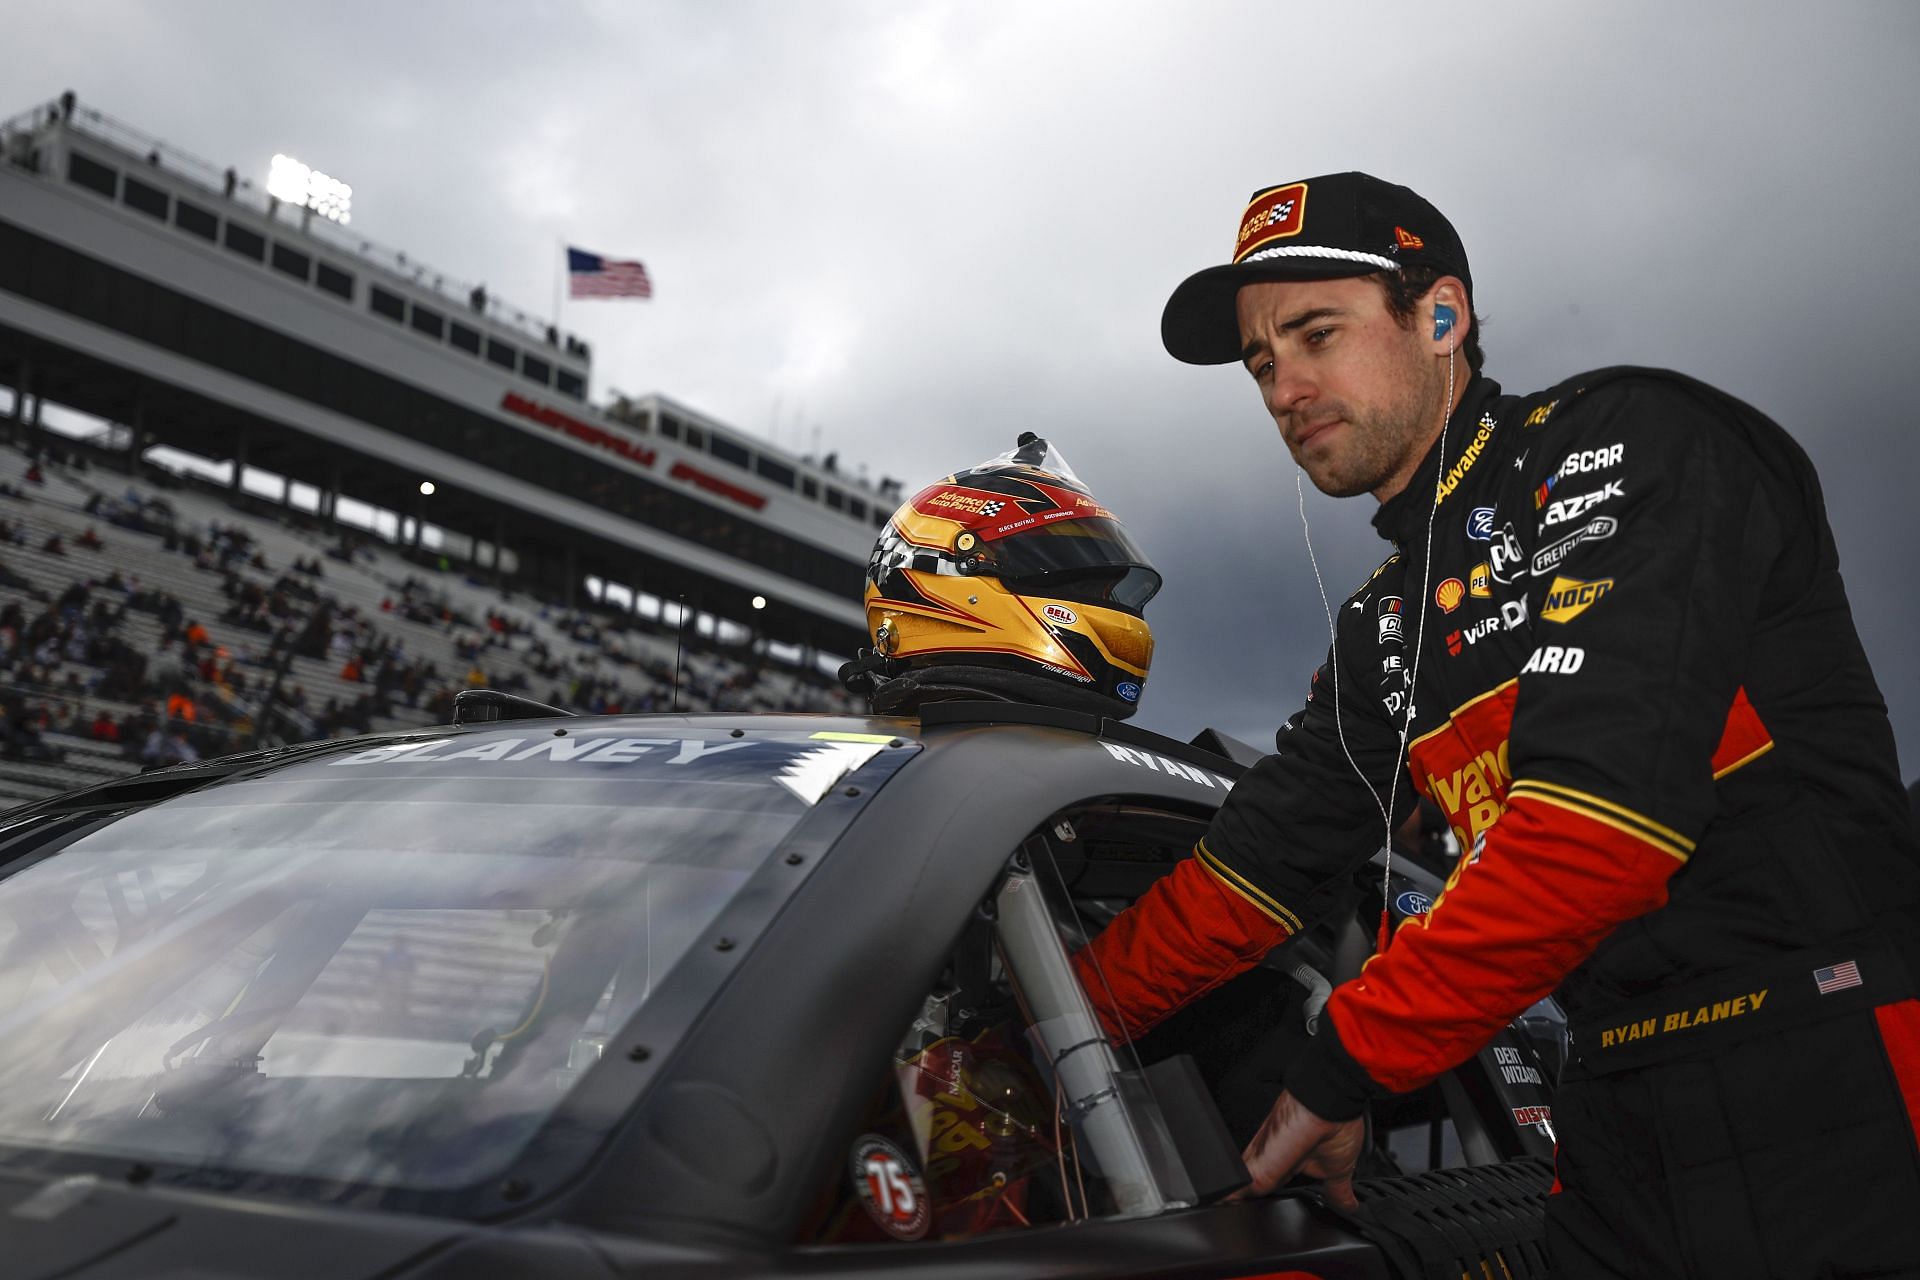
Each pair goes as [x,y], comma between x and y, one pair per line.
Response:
[992,507]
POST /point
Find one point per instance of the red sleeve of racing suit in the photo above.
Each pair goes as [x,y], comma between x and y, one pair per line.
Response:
[1292,827]
[1185,936]
[1646,569]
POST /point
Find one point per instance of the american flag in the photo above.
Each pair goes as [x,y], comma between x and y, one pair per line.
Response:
[1839,978]
[596,277]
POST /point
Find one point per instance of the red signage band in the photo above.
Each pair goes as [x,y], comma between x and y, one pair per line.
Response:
[714,484]
[582,431]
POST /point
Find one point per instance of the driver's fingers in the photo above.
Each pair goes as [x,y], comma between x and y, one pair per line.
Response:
[1339,1189]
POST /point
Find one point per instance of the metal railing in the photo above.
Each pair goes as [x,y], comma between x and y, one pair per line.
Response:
[203,173]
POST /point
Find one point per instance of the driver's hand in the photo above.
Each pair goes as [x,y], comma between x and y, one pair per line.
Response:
[1294,1140]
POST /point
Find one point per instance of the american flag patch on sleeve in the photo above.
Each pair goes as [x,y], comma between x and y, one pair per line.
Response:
[1838,978]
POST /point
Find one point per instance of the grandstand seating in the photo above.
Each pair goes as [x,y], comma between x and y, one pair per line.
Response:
[429,629]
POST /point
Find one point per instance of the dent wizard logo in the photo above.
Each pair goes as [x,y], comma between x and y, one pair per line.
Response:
[1458,471]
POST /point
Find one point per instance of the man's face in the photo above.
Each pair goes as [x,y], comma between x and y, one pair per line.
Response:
[1357,397]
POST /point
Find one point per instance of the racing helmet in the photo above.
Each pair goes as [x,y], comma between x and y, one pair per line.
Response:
[1010,581]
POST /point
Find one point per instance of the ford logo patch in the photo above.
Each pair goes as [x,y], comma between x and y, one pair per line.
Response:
[1413,903]
[1480,524]
[1128,690]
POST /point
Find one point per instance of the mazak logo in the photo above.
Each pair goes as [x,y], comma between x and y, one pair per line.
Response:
[1480,524]
[1568,598]
[1596,528]
[1568,508]
[1061,614]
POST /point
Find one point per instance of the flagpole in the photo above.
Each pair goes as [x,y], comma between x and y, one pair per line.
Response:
[559,280]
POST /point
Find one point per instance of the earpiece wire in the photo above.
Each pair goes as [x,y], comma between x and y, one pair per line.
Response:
[1413,672]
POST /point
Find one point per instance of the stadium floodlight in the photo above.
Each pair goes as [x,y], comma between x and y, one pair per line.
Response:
[759,602]
[426,488]
[302,185]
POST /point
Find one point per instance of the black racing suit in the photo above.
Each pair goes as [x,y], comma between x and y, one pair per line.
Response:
[1641,702]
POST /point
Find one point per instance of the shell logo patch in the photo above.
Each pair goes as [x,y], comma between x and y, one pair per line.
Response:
[1449,594]
[1272,215]
[1061,614]
[890,1188]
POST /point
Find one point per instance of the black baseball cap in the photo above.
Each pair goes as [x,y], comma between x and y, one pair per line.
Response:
[1339,224]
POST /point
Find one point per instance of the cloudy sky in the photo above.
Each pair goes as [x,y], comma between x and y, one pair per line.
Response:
[912,230]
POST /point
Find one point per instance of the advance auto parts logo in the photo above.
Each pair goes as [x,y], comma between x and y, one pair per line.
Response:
[1273,215]
[1458,471]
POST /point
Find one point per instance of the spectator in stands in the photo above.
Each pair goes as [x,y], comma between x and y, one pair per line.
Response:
[103,728]
[353,670]
[54,545]
[90,540]
[197,634]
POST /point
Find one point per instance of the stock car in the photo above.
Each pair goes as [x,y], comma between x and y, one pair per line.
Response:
[701,995]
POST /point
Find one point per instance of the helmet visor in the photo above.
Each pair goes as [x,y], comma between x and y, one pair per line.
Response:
[1091,560]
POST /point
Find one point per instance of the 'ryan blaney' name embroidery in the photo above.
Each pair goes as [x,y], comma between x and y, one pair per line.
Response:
[1684,1019]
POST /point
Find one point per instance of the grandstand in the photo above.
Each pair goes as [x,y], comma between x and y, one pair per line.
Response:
[171,614]
[631,557]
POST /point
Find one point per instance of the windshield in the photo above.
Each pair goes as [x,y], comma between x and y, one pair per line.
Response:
[386,967]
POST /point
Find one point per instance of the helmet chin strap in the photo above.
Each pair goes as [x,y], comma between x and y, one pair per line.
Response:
[1412,673]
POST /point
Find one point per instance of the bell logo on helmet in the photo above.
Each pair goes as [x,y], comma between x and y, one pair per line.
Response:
[1061,614]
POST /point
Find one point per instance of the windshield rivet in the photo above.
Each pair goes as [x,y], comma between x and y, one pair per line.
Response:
[897,743]
[725,944]
[559,733]
[853,791]
[639,1053]
[515,1189]
[739,733]
[794,859]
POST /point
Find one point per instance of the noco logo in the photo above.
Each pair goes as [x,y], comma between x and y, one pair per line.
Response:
[1568,598]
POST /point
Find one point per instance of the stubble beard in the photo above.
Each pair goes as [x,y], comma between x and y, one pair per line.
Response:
[1380,442]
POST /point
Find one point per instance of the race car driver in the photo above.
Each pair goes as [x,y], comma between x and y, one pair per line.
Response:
[1612,643]
[1008,582]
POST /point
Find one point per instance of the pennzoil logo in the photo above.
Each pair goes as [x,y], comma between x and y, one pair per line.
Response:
[1568,598]
[1458,471]
[1273,215]
[1480,581]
